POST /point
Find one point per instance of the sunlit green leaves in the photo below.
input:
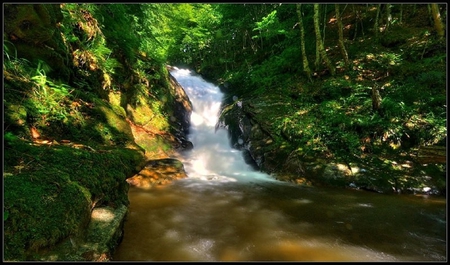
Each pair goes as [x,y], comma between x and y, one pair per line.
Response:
[267,25]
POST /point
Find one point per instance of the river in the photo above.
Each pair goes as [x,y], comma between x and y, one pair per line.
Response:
[227,211]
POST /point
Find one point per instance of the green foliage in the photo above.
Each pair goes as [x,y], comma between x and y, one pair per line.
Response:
[335,88]
[261,81]
[48,100]
[9,50]
[193,27]
[269,26]
[432,79]
[103,55]
[9,137]
[17,66]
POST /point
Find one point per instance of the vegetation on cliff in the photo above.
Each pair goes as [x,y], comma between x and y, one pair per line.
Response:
[87,99]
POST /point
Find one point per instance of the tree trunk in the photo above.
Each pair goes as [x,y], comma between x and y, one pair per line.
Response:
[388,16]
[401,14]
[356,21]
[302,40]
[341,35]
[376,99]
[430,18]
[376,29]
[324,22]
[437,20]
[317,61]
[319,42]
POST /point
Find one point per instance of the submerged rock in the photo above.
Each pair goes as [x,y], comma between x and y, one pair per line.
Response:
[158,172]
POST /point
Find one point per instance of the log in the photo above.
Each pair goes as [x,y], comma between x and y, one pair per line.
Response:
[432,154]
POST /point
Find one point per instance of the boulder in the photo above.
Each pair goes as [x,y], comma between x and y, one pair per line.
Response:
[97,243]
[158,172]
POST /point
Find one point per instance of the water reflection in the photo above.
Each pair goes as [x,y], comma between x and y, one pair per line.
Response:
[195,220]
[226,211]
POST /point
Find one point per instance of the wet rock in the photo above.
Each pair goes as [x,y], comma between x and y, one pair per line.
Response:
[336,174]
[186,145]
[182,106]
[158,172]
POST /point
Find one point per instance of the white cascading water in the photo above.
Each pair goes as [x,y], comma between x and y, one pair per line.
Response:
[212,158]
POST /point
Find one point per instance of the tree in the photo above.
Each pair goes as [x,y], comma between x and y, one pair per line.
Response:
[269,28]
[376,98]
[193,27]
[302,43]
[437,20]
[388,16]
[319,42]
[359,19]
[341,35]
[375,27]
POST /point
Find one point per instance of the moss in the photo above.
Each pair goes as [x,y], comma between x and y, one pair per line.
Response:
[115,99]
[44,207]
[147,111]
[52,196]
[116,131]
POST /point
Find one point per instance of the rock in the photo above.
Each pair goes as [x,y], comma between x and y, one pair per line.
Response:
[97,243]
[182,106]
[105,232]
[186,145]
[432,154]
[158,172]
[336,174]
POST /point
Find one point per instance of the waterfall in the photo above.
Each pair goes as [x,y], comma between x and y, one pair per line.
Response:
[212,157]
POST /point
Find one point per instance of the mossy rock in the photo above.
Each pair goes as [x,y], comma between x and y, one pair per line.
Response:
[50,191]
[42,212]
[31,30]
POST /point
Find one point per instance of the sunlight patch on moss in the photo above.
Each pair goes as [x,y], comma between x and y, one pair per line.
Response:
[114,120]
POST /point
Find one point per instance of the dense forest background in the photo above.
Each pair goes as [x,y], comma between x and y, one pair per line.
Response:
[88,98]
[356,83]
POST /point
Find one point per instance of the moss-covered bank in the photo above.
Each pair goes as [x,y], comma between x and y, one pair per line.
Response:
[82,114]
